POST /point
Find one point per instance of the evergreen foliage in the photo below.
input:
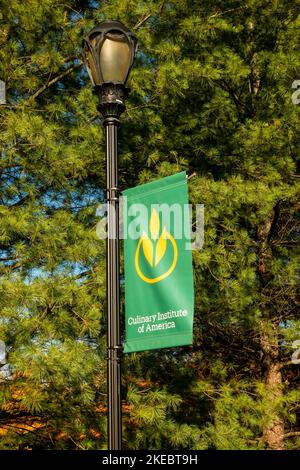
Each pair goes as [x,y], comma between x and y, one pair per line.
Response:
[211,93]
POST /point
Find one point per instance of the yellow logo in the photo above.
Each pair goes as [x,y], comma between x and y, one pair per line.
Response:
[154,252]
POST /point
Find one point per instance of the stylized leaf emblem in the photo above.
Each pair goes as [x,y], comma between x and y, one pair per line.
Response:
[154,249]
[147,248]
[154,225]
[161,247]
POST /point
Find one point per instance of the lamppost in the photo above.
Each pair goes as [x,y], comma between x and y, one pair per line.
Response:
[109,52]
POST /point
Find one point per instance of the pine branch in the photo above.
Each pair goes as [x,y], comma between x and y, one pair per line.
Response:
[76,444]
[291,434]
[221,13]
[285,363]
[143,20]
[146,18]
[55,80]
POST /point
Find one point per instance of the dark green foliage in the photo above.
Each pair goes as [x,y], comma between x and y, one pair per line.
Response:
[211,94]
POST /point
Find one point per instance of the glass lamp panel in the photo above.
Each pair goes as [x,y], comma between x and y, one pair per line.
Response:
[115,59]
[91,63]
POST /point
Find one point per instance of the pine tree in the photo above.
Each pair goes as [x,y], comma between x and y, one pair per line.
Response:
[52,264]
[210,94]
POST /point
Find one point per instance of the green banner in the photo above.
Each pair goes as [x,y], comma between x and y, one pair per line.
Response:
[159,294]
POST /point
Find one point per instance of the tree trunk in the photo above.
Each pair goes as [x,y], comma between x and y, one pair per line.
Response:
[273,432]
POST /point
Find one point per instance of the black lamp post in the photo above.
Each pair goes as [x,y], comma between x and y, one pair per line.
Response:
[109,53]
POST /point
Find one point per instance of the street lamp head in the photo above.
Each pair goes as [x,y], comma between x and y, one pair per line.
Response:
[109,53]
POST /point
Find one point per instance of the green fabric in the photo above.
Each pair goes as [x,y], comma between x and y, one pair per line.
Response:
[159,294]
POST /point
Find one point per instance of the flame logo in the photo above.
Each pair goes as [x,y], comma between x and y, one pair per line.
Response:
[154,251]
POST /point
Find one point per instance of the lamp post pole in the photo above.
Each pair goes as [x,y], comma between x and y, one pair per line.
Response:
[109,53]
[111,106]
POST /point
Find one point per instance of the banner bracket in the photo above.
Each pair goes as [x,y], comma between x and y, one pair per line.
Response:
[112,194]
